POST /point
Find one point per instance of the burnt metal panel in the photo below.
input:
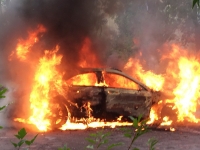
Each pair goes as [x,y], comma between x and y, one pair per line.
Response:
[85,93]
[128,102]
[118,100]
[81,95]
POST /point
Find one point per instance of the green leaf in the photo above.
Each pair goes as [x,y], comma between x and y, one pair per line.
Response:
[114,145]
[1,96]
[123,129]
[99,145]
[90,147]
[17,136]
[104,141]
[195,2]
[128,135]
[64,148]
[105,135]
[152,142]
[28,142]
[139,118]
[31,141]
[135,123]
[22,133]
[3,91]
[1,127]
[15,144]
[91,140]
[20,143]
[1,108]
[143,123]
[132,118]
[93,134]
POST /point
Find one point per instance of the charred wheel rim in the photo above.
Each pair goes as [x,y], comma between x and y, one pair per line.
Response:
[59,113]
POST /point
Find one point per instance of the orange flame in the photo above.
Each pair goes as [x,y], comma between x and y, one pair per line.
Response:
[87,57]
[151,79]
[166,121]
[94,124]
[23,46]
[47,79]
[187,75]
[182,79]
[88,79]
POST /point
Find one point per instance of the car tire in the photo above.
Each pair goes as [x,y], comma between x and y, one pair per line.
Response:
[168,110]
[59,112]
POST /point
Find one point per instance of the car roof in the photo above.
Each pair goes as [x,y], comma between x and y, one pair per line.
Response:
[110,70]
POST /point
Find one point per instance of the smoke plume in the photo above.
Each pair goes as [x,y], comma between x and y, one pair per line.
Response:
[137,26]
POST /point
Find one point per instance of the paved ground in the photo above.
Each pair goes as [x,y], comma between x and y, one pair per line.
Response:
[186,138]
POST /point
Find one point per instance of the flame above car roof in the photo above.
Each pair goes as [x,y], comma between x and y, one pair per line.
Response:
[108,70]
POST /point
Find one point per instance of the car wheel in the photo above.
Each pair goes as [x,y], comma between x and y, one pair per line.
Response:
[168,111]
[59,113]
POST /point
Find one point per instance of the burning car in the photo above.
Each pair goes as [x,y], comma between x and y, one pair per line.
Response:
[102,93]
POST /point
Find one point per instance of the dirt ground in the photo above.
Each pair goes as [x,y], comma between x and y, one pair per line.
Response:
[182,138]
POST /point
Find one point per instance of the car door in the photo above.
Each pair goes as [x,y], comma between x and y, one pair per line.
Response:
[126,97]
[85,92]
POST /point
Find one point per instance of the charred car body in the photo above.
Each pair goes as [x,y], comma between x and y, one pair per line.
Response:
[103,93]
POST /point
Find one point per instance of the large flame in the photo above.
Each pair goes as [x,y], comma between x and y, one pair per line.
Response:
[87,57]
[151,79]
[181,79]
[24,45]
[47,80]
[88,79]
[187,75]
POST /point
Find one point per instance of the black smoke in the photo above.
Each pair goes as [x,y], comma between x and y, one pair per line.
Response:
[68,23]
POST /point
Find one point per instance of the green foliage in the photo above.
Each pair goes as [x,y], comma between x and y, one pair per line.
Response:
[21,133]
[20,136]
[64,148]
[142,22]
[97,139]
[139,128]
[195,2]
[100,138]
[2,92]
[151,143]
[31,141]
